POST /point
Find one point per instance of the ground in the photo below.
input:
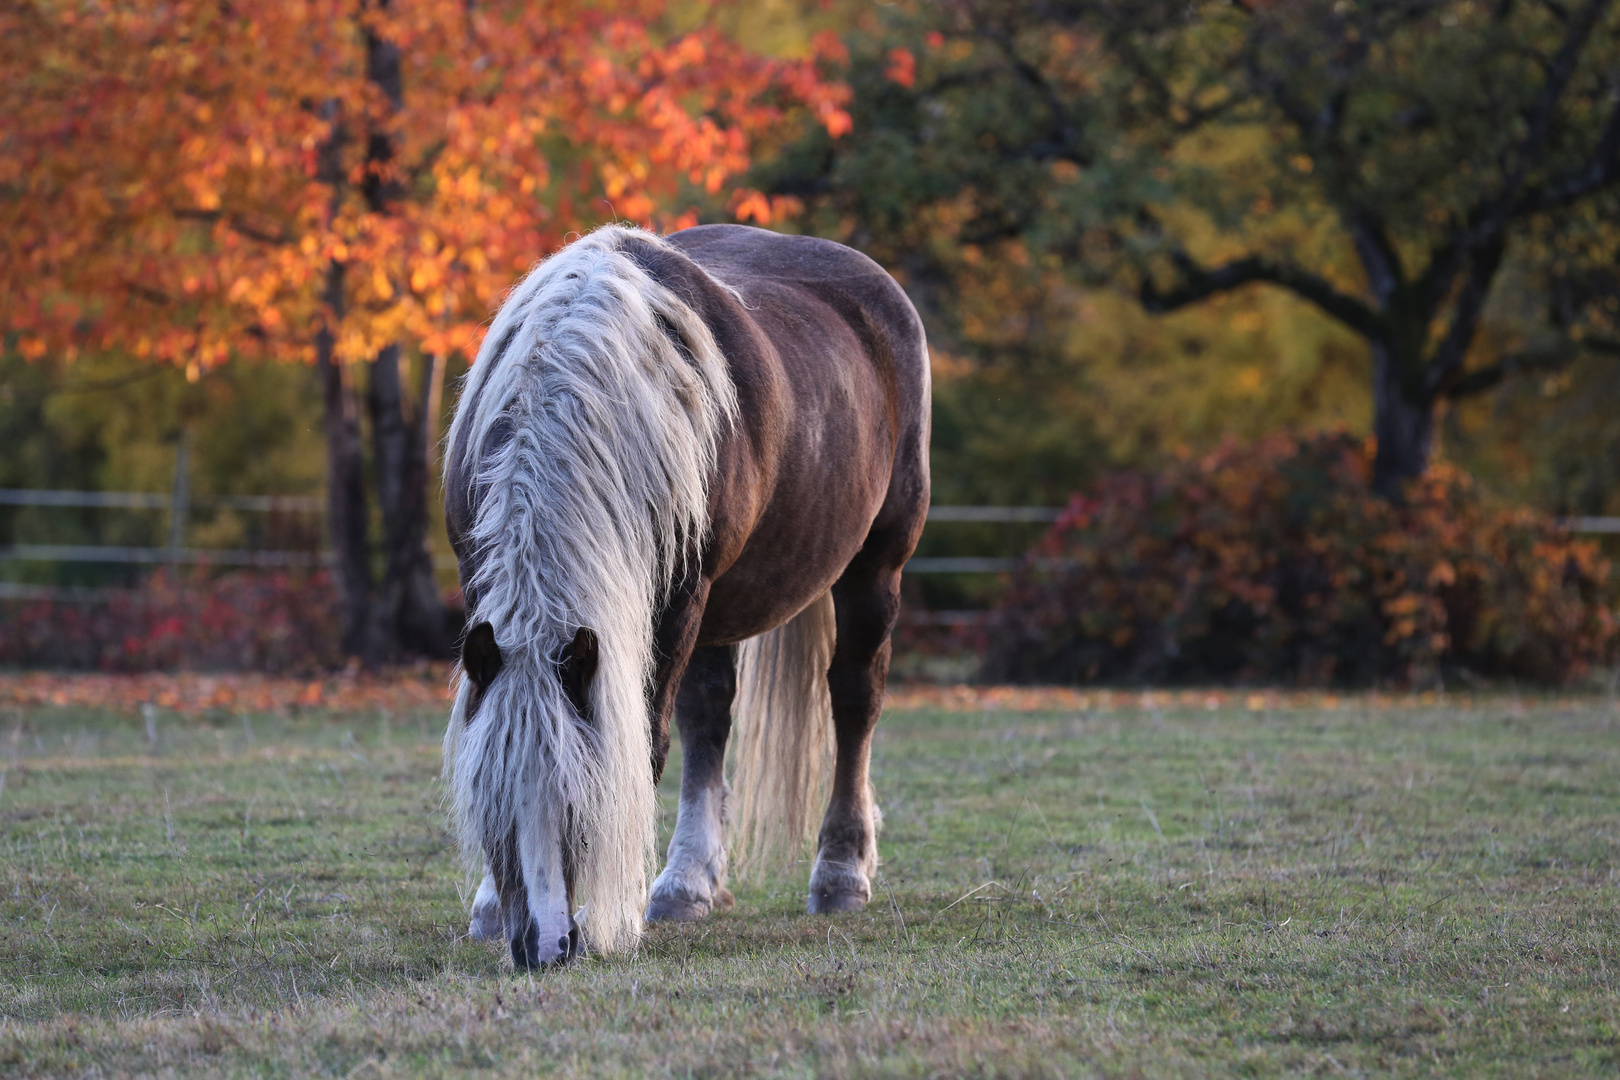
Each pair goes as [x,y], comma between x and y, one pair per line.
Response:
[1073,885]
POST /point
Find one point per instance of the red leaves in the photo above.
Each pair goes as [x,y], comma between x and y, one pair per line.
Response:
[184,176]
[902,69]
[275,622]
[1275,562]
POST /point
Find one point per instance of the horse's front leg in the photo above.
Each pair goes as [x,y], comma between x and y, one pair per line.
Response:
[693,883]
[488,917]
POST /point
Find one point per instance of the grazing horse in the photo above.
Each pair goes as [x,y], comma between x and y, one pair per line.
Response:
[684,472]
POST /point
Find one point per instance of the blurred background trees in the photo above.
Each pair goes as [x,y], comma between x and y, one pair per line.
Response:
[1135,230]
[1434,179]
[352,185]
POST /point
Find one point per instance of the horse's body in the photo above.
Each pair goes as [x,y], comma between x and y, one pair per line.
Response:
[791,468]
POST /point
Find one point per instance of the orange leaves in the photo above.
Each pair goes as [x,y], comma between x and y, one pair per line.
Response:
[186,176]
[751,204]
[834,119]
[902,69]
[748,204]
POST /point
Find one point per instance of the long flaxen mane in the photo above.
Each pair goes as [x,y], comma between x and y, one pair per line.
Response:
[587,430]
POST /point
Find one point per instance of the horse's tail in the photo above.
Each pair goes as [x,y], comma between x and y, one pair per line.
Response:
[783,736]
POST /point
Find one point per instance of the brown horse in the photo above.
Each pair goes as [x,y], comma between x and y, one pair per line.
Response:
[670,447]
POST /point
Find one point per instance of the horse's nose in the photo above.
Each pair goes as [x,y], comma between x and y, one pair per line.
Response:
[528,953]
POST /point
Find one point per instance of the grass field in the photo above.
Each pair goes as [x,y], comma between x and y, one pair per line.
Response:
[1121,890]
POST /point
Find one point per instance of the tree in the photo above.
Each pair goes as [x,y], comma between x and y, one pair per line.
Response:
[353,184]
[1384,160]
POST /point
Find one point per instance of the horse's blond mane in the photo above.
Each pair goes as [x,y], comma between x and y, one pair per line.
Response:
[587,430]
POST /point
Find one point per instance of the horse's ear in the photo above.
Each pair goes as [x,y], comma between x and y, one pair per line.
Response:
[481,656]
[576,667]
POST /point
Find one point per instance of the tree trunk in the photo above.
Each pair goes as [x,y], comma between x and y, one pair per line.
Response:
[345,488]
[1403,427]
[411,612]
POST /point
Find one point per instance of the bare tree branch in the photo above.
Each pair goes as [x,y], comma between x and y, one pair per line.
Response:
[1550,358]
[1378,255]
[1601,172]
[235,223]
[1448,356]
[1485,222]
[1493,218]
[1068,132]
[1197,283]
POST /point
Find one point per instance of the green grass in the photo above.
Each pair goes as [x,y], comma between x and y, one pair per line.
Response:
[1401,891]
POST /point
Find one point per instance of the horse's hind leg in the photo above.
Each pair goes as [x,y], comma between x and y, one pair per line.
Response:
[867,602]
[694,879]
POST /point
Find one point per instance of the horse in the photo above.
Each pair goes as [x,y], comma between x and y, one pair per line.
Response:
[684,474]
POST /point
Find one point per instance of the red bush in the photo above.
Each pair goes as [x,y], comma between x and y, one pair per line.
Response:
[271,622]
[1274,562]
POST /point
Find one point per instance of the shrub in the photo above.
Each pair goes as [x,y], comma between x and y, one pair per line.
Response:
[1273,562]
[272,622]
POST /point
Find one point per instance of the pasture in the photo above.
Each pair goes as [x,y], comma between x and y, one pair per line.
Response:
[1121,886]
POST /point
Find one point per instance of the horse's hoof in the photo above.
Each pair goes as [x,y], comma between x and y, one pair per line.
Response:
[488,924]
[675,909]
[837,886]
[832,901]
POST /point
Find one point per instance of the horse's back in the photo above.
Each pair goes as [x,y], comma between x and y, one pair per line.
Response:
[832,376]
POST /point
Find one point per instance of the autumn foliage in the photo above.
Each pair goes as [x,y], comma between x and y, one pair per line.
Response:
[1274,562]
[277,623]
[180,178]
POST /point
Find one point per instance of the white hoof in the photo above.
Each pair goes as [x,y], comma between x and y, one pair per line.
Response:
[487,922]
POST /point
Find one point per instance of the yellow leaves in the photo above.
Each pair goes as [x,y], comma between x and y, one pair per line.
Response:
[380,285]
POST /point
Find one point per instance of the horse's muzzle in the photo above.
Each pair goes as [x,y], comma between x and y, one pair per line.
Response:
[528,953]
